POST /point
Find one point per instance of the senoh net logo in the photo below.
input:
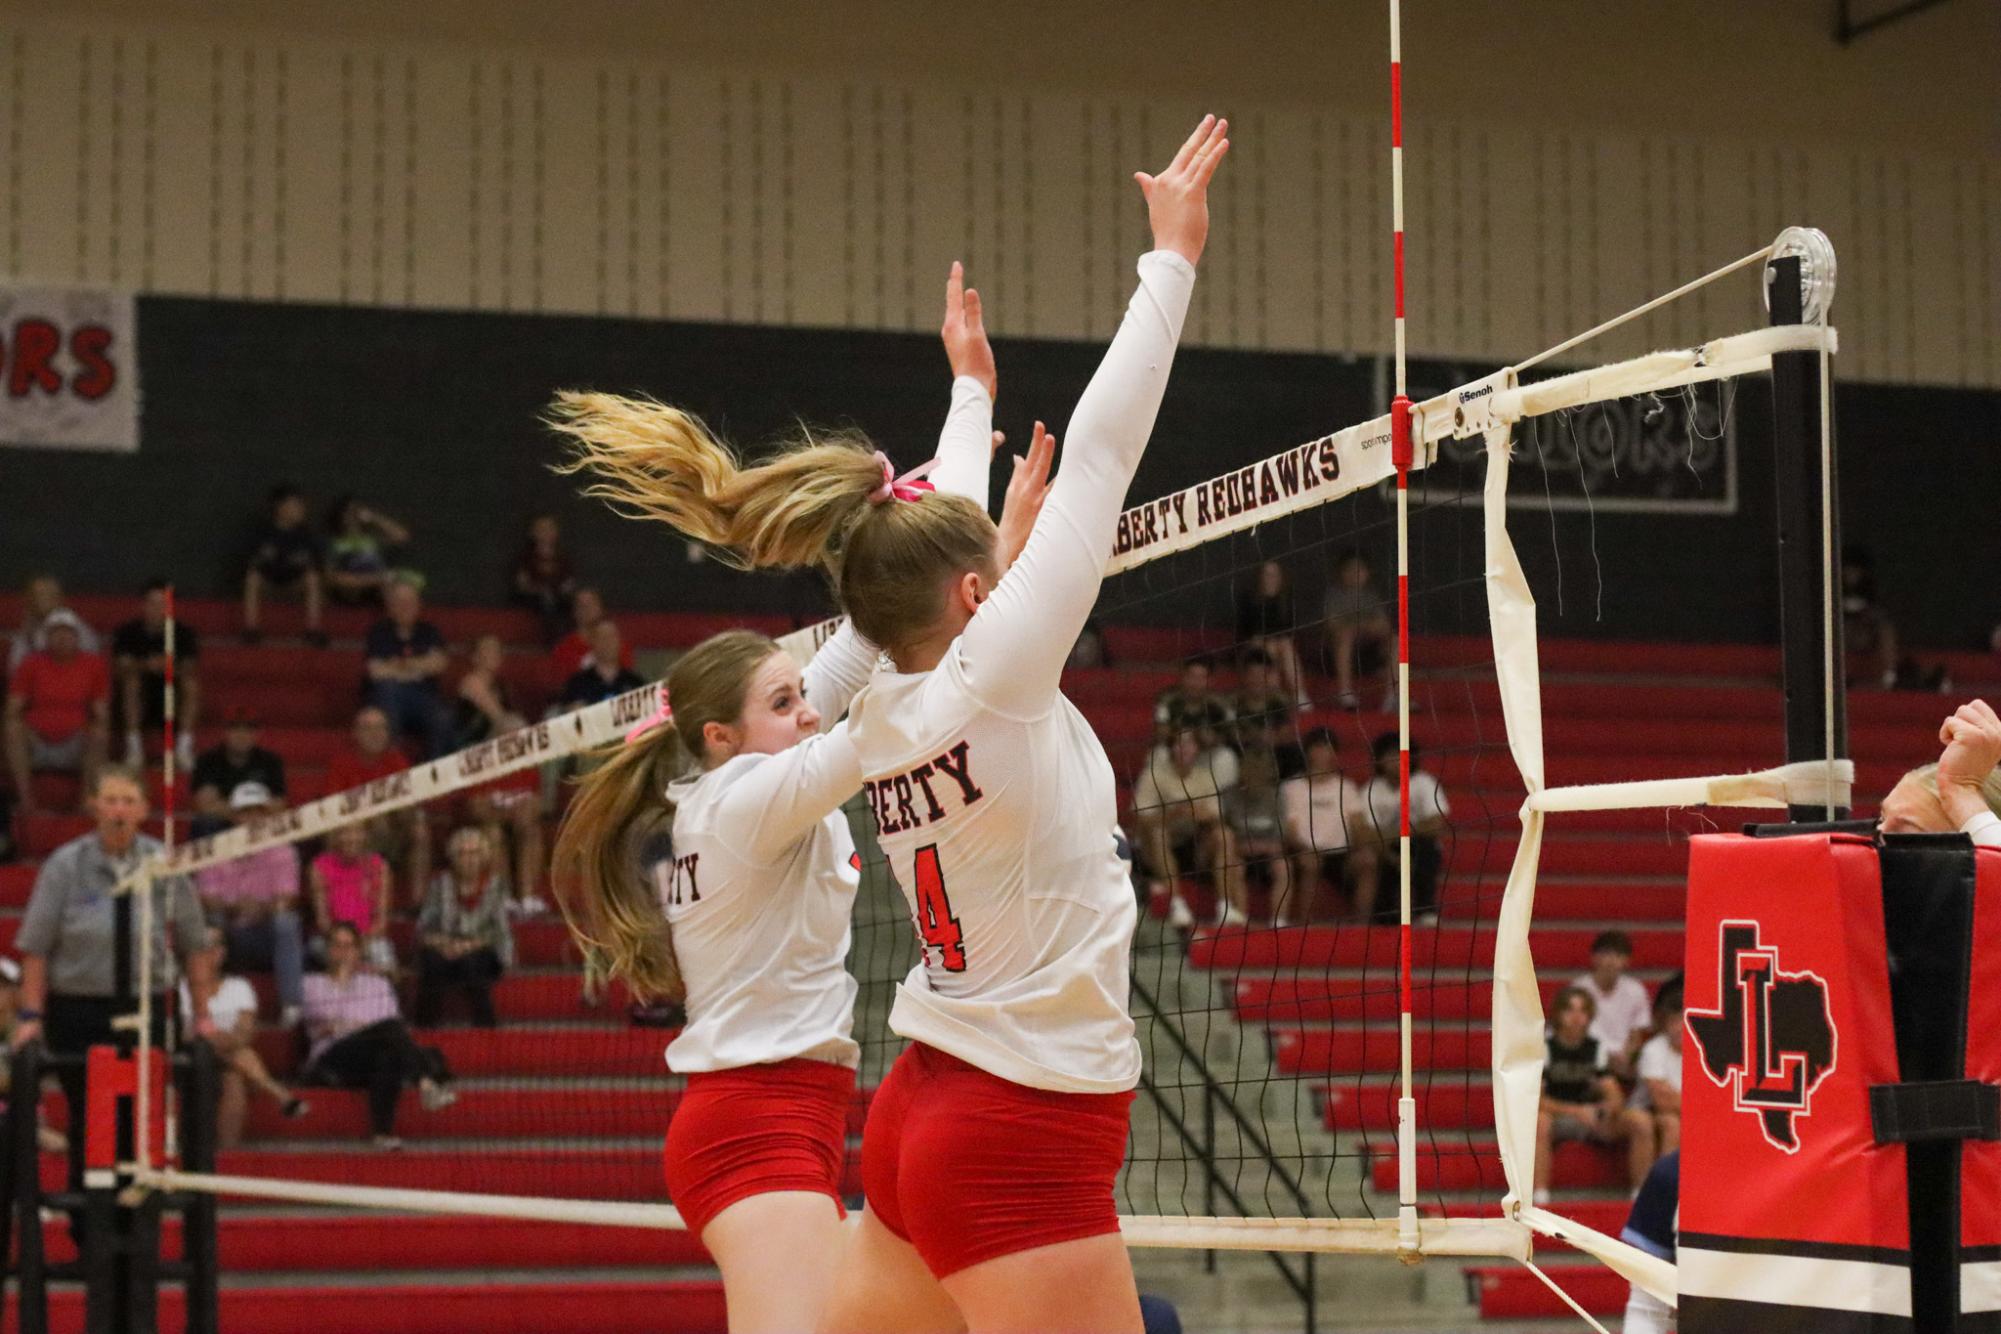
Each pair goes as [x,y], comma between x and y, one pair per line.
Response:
[1770,1040]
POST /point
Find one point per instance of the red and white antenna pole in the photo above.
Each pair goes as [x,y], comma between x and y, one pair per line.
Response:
[1400,454]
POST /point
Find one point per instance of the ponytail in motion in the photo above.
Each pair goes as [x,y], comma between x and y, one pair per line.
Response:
[612,908]
[819,500]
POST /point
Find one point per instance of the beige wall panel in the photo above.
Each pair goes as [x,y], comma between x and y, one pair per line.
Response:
[1286,288]
[443,180]
[697,207]
[1054,225]
[311,200]
[575,202]
[818,200]
[46,79]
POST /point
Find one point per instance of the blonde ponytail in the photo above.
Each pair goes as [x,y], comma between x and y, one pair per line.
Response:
[653,461]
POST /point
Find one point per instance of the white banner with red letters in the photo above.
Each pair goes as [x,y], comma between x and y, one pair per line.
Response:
[69,368]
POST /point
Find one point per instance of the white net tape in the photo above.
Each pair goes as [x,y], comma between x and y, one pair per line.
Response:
[1291,481]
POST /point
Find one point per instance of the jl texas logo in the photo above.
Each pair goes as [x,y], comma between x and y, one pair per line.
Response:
[1770,1040]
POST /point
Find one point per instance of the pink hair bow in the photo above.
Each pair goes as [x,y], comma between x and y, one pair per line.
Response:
[910,486]
[663,714]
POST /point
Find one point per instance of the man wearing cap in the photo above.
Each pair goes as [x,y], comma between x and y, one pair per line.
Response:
[42,596]
[223,769]
[58,707]
[254,900]
[67,939]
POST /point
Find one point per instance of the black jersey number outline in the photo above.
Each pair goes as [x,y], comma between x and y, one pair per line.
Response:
[935,922]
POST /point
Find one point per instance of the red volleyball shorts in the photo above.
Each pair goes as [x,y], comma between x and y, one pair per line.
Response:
[758,1129]
[967,1166]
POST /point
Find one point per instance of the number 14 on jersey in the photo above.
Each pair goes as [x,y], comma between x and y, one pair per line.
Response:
[935,922]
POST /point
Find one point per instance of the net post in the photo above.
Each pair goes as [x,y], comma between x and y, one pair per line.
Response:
[1809,533]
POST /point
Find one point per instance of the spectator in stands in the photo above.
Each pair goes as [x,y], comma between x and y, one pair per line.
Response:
[1622,1010]
[221,770]
[1871,636]
[1655,1113]
[253,901]
[139,659]
[543,579]
[67,940]
[573,652]
[41,598]
[1267,616]
[1653,1226]
[58,708]
[287,559]
[1090,649]
[406,668]
[230,1027]
[1257,823]
[1379,827]
[1178,813]
[1360,637]
[1259,698]
[601,677]
[1581,1100]
[1961,793]
[358,569]
[464,942]
[1190,705]
[403,837]
[359,1039]
[1319,806]
[485,704]
[351,887]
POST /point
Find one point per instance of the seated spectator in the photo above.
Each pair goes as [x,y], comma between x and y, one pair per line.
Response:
[1190,704]
[1622,1008]
[58,709]
[1360,636]
[1257,820]
[221,770]
[464,942]
[1319,806]
[230,1028]
[1379,826]
[287,560]
[42,598]
[601,677]
[351,887]
[1178,814]
[1653,1225]
[1961,793]
[1266,619]
[48,1138]
[253,901]
[359,1039]
[573,652]
[543,579]
[1875,655]
[358,570]
[403,836]
[1090,649]
[139,659]
[1656,1109]
[406,667]
[1580,1098]
[485,704]
[1259,698]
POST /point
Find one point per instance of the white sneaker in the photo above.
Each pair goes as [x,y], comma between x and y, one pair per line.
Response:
[184,752]
[388,1142]
[531,906]
[1179,915]
[435,1096]
[1228,916]
[289,1017]
[135,751]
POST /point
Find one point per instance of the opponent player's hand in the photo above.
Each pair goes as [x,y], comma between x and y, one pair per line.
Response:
[965,334]
[1027,488]
[1177,200]
[1972,740]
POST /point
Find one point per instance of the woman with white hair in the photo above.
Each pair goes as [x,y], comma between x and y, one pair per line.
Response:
[1961,793]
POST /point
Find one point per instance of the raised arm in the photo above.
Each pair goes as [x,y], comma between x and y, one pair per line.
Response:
[779,800]
[1014,649]
[966,445]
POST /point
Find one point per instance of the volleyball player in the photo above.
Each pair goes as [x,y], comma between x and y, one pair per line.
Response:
[749,920]
[992,1147]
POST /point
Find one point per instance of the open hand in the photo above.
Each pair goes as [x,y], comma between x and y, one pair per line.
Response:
[1177,200]
[1027,488]
[965,333]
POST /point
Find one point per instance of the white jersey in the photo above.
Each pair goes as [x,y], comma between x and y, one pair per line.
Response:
[992,797]
[761,887]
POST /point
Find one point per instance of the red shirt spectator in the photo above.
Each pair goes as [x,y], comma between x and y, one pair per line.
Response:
[573,650]
[60,690]
[371,757]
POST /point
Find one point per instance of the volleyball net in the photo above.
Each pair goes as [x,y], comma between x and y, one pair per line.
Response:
[1326,1068]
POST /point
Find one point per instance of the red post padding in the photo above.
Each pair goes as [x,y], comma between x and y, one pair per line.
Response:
[1980,1160]
[1791,1216]
[109,1077]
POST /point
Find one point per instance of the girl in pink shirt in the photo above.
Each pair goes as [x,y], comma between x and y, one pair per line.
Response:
[352,884]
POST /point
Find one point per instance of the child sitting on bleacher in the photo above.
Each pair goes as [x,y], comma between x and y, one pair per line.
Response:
[351,885]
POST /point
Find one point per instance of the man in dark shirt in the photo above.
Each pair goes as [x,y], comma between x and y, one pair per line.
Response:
[238,760]
[602,676]
[406,660]
[286,559]
[139,662]
[1580,1098]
